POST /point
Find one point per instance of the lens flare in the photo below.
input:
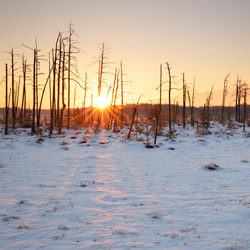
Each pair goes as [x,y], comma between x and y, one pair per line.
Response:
[100,102]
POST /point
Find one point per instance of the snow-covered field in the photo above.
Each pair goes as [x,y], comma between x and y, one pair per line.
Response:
[58,193]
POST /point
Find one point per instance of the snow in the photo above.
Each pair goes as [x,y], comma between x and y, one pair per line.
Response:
[113,193]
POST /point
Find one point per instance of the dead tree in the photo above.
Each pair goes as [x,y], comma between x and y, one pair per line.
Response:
[35,61]
[35,106]
[59,80]
[122,115]
[242,85]
[100,76]
[6,100]
[101,69]
[224,98]
[37,88]
[17,95]
[69,70]
[63,90]
[191,104]
[239,94]
[158,125]
[112,101]
[24,99]
[50,88]
[245,109]
[184,89]
[103,62]
[208,106]
[72,68]
[169,98]
[115,98]
[13,89]
[237,115]
[52,111]
[239,100]
[133,118]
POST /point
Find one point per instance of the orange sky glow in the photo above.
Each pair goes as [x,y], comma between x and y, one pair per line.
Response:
[206,39]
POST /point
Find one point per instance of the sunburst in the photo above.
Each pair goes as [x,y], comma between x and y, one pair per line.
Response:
[100,102]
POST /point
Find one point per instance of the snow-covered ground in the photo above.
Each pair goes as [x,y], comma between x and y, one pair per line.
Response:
[58,193]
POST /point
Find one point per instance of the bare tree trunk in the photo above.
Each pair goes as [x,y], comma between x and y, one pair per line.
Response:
[224,98]
[58,82]
[169,98]
[100,73]
[33,130]
[6,101]
[236,99]
[54,63]
[23,106]
[36,82]
[116,91]
[160,104]
[122,115]
[245,109]
[208,105]
[133,118]
[176,106]
[17,96]
[13,90]
[50,95]
[69,71]
[158,115]
[184,102]
[63,90]
[192,106]
[204,115]
[239,100]
[53,90]
[112,101]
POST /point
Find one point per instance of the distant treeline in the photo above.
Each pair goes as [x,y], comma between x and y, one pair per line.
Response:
[145,110]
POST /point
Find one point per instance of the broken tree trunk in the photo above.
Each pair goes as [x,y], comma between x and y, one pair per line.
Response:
[133,118]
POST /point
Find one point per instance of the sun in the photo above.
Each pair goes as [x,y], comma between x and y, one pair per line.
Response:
[100,102]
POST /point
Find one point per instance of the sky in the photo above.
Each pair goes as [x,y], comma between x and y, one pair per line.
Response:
[205,39]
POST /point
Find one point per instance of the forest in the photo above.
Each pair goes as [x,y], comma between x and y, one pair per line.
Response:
[63,77]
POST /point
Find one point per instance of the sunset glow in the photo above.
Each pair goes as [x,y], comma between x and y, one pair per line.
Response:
[215,44]
[100,102]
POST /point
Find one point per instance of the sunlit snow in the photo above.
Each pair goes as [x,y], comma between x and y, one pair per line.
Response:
[58,193]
